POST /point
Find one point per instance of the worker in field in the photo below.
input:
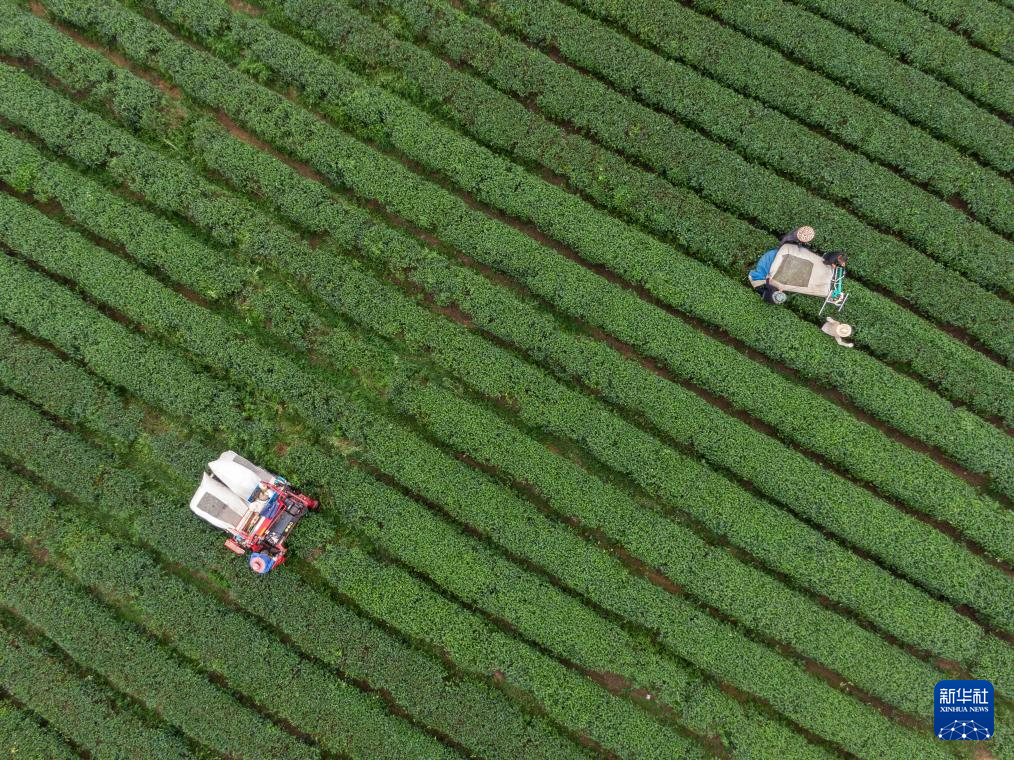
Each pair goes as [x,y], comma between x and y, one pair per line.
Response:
[836,258]
[760,275]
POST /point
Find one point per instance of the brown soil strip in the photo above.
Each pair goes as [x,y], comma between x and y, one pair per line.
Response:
[110,55]
[553,52]
[247,8]
[249,138]
[844,85]
[639,568]
[206,586]
[533,232]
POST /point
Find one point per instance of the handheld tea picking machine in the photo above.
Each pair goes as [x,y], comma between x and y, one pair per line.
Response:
[259,509]
[797,269]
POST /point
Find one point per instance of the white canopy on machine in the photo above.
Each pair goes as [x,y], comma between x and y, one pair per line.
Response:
[800,270]
[222,496]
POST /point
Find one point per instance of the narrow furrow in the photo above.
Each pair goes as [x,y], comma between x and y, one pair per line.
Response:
[620,725]
[839,57]
[913,39]
[24,736]
[81,710]
[981,21]
[361,287]
[654,140]
[644,197]
[630,600]
[408,395]
[471,715]
[748,68]
[839,355]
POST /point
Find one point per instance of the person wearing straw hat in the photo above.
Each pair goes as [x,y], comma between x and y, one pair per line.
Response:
[760,275]
[839,331]
[800,236]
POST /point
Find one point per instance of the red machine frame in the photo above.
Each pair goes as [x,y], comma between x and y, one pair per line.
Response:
[267,535]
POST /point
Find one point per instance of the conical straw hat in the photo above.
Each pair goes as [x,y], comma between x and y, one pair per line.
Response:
[837,330]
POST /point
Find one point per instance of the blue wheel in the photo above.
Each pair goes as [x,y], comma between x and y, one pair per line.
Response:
[261,563]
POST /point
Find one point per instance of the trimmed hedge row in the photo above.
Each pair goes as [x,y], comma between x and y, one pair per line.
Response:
[615,723]
[217,639]
[80,399]
[786,623]
[682,157]
[518,526]
[24,737]
[364,306]
[645,197]
[980,20]
[759,72]
[426,470]
[840,56]
[317,140]
[475,715]
[80,709]
[875,194]
[917,41]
